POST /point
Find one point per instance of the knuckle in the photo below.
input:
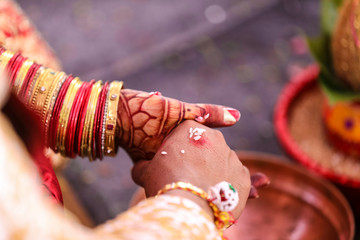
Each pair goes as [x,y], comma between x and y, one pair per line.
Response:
[235,156]
[247,173]
[247,177]
[188,124]
[135,176]
[218,136]
[217,133]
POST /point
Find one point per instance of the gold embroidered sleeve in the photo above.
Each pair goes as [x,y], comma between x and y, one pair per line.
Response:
[165,217]
[18,34]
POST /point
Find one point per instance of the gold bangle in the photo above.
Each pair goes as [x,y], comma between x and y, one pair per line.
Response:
[222,221]
[111,117]
[64,114]
[19,80]
[49,103]
[32,85]
[184,186]
[86,139]
[4,59]
[41,91]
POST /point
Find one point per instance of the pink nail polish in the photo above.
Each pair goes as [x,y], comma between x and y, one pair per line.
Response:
[253,193]
[231,116]
[259,180]
[235,113]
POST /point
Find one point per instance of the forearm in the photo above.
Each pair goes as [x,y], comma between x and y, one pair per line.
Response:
[76,117]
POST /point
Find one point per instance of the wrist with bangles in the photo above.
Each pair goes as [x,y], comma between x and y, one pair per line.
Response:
[77,118]
[221,198]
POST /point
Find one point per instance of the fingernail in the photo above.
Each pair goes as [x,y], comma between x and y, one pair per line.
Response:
[253,193]
[259,180]
[199,119]
[231,115]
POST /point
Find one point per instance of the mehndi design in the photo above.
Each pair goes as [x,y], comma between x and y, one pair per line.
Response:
[145,119]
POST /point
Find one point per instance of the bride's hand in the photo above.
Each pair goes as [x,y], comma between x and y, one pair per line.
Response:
[145,119]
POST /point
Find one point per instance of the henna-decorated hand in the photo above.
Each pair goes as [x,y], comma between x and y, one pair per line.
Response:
[145,119]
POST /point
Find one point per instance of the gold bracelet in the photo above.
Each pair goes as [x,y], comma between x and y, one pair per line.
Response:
[41,91]
[184,186]
[19,80]
[38,89]
[49,103]
[222,221]
[111,117]
[64,114]
[86,139]
[32,85]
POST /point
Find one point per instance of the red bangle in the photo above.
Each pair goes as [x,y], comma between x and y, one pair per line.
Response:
[100,122]
[96,133]
[73,118]
[80,125]
[9,68]
[53,125]
[26,81]
[19,62]
[29,78]
[15,69]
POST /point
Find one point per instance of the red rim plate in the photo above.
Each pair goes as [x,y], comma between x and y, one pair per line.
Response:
[297,85]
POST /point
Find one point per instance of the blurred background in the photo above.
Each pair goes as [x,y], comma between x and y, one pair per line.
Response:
[238,53]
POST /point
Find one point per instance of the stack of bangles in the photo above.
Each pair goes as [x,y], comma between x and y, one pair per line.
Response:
[222,199]
[76,117]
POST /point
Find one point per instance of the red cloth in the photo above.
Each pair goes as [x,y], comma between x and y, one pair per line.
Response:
[50,182]
[26,124]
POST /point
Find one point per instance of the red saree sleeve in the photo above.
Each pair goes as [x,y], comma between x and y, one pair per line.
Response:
[27,127]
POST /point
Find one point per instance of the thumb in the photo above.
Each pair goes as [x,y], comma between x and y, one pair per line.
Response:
[211,115]
[139,172]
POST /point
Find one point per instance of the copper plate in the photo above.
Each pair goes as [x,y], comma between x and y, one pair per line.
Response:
[296,205]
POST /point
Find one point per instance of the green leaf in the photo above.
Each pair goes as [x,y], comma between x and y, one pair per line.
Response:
[337,2]
[320,49]
[329,79]
[329,12]
[334,95]
[335,89]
